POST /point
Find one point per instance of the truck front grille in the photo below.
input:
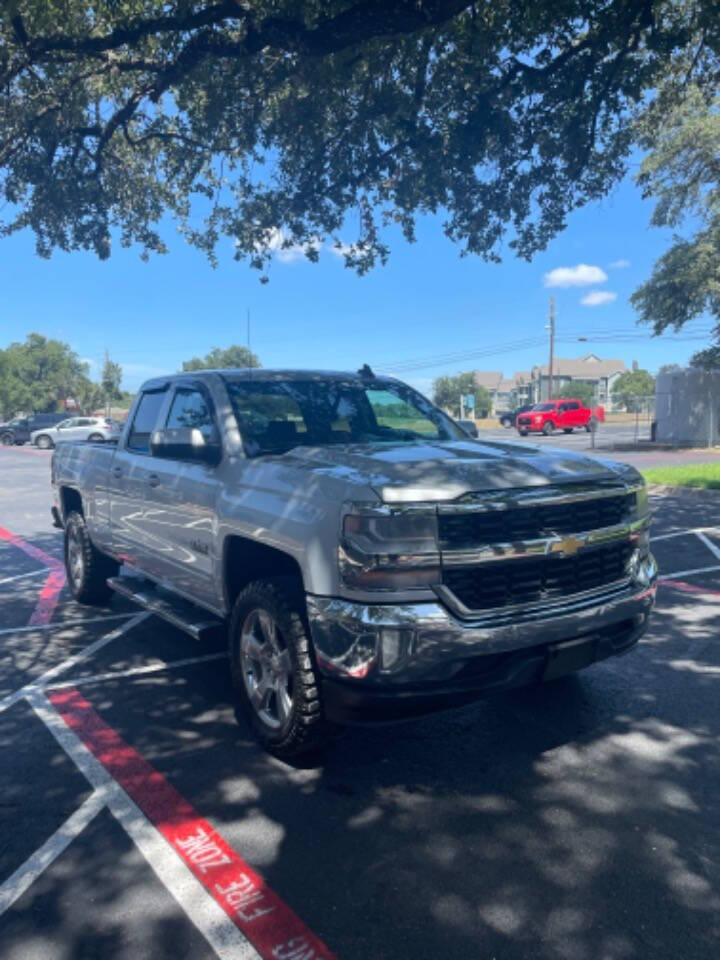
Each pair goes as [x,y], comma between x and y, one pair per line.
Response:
[467,530]
[501,583]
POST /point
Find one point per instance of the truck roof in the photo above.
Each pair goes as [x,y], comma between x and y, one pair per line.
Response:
[262,373]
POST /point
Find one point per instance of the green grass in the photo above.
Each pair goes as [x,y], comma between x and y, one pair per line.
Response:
[703,475]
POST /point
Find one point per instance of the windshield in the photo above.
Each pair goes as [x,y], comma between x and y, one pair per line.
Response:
[544,406]
[276,415]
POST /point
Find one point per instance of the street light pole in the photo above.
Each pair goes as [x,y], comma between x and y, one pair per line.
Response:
[551,328]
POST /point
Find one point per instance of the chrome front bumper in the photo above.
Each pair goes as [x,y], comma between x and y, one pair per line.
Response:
[388,647]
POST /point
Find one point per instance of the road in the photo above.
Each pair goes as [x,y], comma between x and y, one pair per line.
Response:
[607,436]
[579,820]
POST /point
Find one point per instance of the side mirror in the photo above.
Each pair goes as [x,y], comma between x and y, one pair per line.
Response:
[470,428]
[185,443]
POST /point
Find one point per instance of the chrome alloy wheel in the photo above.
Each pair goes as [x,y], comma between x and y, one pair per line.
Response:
[75,558]
[267,669]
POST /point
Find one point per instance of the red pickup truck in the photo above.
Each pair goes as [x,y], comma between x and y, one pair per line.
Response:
[566,414]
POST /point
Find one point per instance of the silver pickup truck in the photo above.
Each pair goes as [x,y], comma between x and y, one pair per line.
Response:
[367,558]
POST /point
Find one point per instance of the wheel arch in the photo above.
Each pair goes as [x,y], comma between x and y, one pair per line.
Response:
[245,560]
[70,500]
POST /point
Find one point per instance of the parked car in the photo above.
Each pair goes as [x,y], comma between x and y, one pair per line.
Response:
[508,418]
[365,558]
[94,429]
[18,430]
[566,414]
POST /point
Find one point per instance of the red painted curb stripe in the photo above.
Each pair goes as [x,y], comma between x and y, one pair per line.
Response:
[689,587]
[268,923]
[54,582]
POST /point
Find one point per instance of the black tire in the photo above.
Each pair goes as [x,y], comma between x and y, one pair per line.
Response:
[567,429]
[44,442]
[7,439]
[96,438]
[87,567]
[299,726]
[548,428]
[591,425]
[523,433]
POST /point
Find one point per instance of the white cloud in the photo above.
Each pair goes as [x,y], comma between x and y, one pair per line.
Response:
[580,276]
[619,264]
[287,254]
[596,298]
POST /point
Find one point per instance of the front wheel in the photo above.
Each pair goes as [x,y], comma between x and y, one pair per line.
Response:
[44,442]
[275,681]
[547,429]
[87,567]
[96,438]
[7,439]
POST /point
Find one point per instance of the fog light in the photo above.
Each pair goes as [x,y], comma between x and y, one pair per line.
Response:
[642,568]
[394,648]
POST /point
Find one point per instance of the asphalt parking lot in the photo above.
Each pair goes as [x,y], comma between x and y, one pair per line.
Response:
[579,820]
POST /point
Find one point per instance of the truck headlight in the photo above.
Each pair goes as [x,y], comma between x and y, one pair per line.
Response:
[384,549]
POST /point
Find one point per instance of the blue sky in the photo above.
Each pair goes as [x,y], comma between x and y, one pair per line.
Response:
[427,302]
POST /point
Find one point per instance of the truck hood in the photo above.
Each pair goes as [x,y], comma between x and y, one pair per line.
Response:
[437,471]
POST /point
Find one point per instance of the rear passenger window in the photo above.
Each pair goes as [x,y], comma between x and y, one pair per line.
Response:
[145,420]
[190,409]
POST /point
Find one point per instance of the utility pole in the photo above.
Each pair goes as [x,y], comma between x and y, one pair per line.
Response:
[551,328]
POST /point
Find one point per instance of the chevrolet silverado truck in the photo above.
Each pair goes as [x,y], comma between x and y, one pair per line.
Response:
[367,560]
[566,414]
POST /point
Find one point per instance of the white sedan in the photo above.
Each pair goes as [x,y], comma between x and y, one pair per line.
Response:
[94,429]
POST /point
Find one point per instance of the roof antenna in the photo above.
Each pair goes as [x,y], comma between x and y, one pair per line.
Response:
[366,373]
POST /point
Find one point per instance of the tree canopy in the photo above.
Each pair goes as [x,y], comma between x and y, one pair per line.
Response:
[632,388]
[223,359]
[39,375]
[278,123]
[682,172]
[448,390]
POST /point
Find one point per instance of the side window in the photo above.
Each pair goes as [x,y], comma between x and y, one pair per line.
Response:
[189,408]
[392,412]
[573,406]
[145,420]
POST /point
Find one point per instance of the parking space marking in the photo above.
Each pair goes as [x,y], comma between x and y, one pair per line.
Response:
[54,582]
[691,587]
[26,874]
[136,671]
[232,885]
[22,576]
[76,658]
[59,624]
[712,547]
[221,934]
[685,533]
[665,577]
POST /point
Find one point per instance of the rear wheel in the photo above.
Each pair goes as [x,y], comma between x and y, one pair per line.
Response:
[87,567]
[274,678]
[44,442]
[547,429]
[591,425]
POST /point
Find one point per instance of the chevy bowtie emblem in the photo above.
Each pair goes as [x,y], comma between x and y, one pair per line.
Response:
[567,547]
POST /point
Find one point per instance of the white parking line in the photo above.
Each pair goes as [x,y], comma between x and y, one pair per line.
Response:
[135,671]
[26,874]
[713,548]
[207,915]
[685,533]
[21,576]
[57,624]
[687,573]
[55,671]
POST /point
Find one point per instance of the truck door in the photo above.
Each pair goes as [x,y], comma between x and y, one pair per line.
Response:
[574,415]
[180,501]
[130,473]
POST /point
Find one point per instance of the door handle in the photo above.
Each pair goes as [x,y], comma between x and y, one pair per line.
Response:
[117,471]
[153,480]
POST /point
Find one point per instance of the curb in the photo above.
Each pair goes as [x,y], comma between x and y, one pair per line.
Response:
[685,493]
